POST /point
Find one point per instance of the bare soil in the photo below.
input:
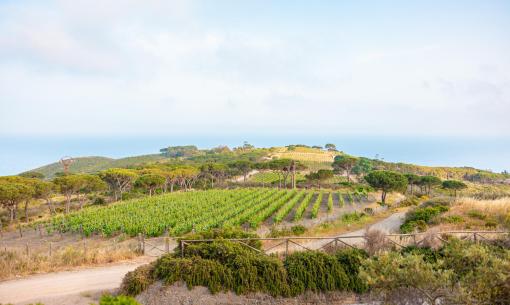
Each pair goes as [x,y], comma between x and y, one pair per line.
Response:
[179,294]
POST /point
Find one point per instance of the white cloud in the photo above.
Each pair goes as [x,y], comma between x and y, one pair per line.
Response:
[148,67]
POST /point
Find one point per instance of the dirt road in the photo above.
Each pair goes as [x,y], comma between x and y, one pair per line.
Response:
[85,286]
[68,287]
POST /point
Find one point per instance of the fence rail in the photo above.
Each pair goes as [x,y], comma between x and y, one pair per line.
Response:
[286,244]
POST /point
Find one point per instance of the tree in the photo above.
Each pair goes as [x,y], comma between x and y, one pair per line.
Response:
[282,167]
[214,172]
[179,151]
[362,167]
[119,180]
[386,181]
[12,194]
[44,190]
[35,175]
[330,147]
[150,182]
[413,180]
[243,167]
[428,182]
[320,175]
[89,184]
[454,185]
[68,186]
[345,163]
[186,176]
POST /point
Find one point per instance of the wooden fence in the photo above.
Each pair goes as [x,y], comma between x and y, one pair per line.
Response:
[285,245]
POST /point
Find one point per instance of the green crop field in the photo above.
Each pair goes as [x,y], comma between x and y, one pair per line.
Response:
[271,177]
[179,213]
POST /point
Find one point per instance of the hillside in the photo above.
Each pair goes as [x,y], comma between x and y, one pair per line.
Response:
[94,164]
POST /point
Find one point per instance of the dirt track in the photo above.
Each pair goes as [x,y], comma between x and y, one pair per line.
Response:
[85,286]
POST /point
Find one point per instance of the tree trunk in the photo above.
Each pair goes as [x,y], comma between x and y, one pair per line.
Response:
[26,210]
[12,215]
[68,203]
[171,187]
[50,206]
[383,197]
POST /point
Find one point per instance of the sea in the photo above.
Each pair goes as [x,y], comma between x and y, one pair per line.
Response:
[22,153]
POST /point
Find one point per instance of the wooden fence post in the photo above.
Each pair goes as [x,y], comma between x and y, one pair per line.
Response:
[50,248]
[27,249]
[286,247]
[20,232]
[167,245]
[40,230]
[182,248]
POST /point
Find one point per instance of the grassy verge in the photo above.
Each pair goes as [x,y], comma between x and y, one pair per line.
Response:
[14,263]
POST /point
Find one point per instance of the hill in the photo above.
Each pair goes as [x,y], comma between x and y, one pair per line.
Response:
[95,164]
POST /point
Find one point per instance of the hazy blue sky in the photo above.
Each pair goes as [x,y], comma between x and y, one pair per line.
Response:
[83,67]
[415,81]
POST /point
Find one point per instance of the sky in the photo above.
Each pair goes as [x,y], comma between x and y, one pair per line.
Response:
[111,67]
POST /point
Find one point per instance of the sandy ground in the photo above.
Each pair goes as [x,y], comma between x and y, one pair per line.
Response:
[68,287]
[86,285]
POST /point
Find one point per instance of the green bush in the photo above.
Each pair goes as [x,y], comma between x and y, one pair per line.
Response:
[429,255]
[421,216]
[351,260]
[315,271]
[194,271]
[137,280]
[225,266]
[224,233]
[294,230]
[452,219]
[353,217]
[476,214]
[118,300]
[298,230]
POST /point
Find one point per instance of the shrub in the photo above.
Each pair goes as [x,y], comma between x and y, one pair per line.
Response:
[429,255]
[118,300]
[353,217]
[298,230]
[194,271]
[421,216]
[452,219]
[225,266]
[294,230]
[314,271]
[375,241]
[137,280]
[476,214]
[224,233]
[351,260]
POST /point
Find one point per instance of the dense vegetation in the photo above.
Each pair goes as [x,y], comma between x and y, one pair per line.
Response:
[178,213]
[456,273]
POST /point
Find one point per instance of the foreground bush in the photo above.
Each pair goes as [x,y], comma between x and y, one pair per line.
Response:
[315,271]
[118,300]
[458,273]
[420,217]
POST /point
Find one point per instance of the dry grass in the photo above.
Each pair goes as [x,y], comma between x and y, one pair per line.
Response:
[17,263]
[495,207]
[472,213]
[375,241]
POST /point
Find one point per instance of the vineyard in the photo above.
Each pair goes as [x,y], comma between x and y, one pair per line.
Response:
[179,213]
[271,177]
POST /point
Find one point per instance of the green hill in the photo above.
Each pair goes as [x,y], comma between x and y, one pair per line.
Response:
[95,164]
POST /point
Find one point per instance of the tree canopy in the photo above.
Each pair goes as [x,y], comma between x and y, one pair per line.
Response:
[386,182]
[454,185]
